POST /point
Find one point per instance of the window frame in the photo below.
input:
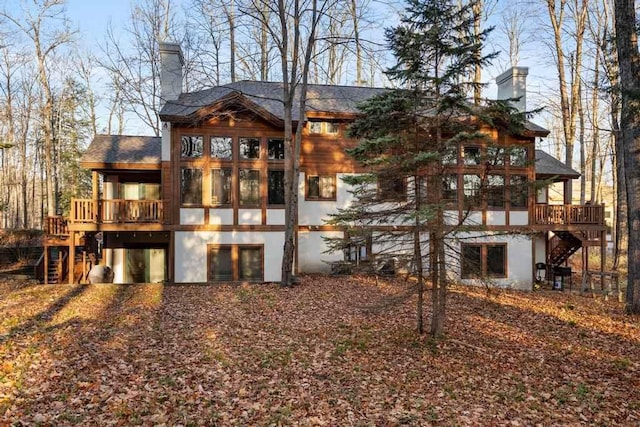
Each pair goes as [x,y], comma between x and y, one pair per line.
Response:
[484,260]
[269,204]
[389,193]
[319,197]
[231,150]
[230,190]
[182,192]
[258,203]
[235,262]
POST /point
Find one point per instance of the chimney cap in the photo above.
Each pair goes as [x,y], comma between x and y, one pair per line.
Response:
[512,72]
[172,48]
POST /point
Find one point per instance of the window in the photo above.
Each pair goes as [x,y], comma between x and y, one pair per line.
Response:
[249,148]
[484,260]
[249,180]
[250,263]
[321,187]
[450,189]
[357,246]
[495,156]
[330,128]
[275,148]
[392,189]
[275,191]
[221,186]
[191,147]
[471,190]
[495,191]
[191,186]
[471,156]
[518,191]
[450,156]
[518,156]
[315,127]
[232,263]
[221,147]
[220,264]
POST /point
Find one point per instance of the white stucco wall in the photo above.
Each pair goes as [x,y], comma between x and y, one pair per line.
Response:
[192,216]
[311,246]
[220,216]
[518,218]
[540,248]
[191,252]
[496,218]
[249,216]
[275,216]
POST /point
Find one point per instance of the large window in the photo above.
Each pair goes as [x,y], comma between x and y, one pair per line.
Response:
[221,147]
[519,191]
[495,156]
[518,156]
[221,186]
[249,148]
[275,192]
[495,191]
[450,189]
[232,263]
[275,148]
[191,186]
[484,260]
[249,180]
[471,156]
[191,147]
[392,189]
[471,190]
[321,187]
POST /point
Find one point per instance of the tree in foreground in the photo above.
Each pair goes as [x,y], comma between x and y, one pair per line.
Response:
[407,138]
[629,142]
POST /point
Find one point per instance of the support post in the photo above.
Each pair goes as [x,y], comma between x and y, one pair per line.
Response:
[72,256]
[603,255]
[46,264]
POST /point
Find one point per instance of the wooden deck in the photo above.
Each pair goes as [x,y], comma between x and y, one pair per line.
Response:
[569,215]
[116,211]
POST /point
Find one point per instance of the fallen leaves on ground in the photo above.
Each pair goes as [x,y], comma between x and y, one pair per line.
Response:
[332,351]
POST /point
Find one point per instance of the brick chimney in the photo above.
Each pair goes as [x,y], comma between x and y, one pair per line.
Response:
[171,63]
[513,84]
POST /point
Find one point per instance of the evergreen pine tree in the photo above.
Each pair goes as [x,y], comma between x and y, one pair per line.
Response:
[409,136]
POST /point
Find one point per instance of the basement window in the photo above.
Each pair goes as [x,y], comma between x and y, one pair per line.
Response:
[483,260]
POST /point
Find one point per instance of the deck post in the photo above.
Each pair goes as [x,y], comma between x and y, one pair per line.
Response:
[72,256]
[603,255]
[94,185]
[46,264]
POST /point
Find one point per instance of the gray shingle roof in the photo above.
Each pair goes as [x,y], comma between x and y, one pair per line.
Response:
[110,149]
[268,96]
[548,166]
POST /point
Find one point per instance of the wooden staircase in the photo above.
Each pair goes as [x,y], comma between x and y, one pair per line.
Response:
[563,245]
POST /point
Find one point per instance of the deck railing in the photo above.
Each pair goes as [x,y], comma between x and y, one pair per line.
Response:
[569,214]
[114,211]
[56,226]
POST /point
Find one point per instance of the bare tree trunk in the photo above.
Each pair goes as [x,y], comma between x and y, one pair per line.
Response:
[231,19]
[477,76]
[628,62]
[581,142]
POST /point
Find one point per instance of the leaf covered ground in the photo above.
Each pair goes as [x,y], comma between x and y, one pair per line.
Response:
[332,351]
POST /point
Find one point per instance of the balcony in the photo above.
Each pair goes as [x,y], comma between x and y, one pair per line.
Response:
[569,215]
[116,211]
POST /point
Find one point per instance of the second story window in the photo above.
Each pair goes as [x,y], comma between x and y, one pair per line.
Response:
[495,191]
[249,148]
[450,189]
[321,187]
[275,148]
[221,147]
[330,128]
[519,191]
[471,156]
[471,190]
[275,192]
[221,186]
[249,180]
[191,186]
[191,147]
[392,189]
[518,156]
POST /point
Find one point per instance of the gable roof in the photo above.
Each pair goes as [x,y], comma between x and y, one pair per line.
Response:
[134,152]
[265,99]
[548,166]
[267,96]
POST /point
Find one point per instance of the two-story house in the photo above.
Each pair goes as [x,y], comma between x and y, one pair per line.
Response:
[204,202]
